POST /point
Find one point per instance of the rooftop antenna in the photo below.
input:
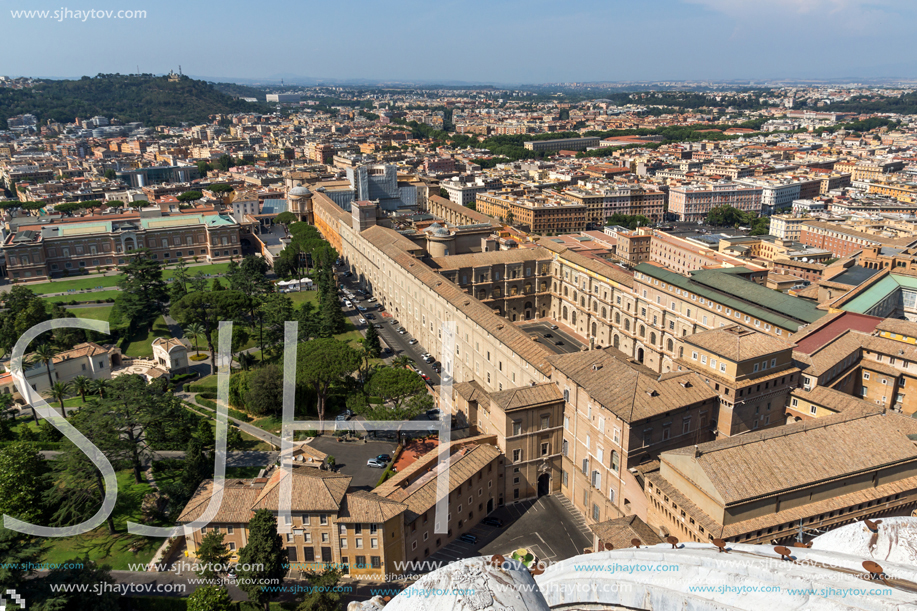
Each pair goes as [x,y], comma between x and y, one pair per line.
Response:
[179,69]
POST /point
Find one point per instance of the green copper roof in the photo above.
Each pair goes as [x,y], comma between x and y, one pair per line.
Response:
[741,295]
[875,294]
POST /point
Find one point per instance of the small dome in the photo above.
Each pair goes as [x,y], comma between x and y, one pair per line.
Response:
[438,230]
[300,192]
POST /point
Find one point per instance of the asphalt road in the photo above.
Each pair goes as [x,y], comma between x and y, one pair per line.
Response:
[389,332]
[543,330]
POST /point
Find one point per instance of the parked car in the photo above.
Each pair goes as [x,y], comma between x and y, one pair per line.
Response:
[383,457]
[548,335]
[376,464]
[437,369]
[468,538]
[412,341]
[378,326]
[385,350]
[425,377]
[348,274]
[492,522]
[348,303]
[371,316]
[394,322]
[428,359]
[362,321]
[371,299]
[402,330]
[361,308]
[553,327]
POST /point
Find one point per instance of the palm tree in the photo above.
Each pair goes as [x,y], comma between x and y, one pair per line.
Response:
[100,386]
[195,331]
[60,391]
[401,361]
[81,385]
[45,353]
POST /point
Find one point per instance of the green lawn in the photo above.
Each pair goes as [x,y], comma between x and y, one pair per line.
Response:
[101,312]
[99,545]
[84,297]
[301,297]
[271,424]
[216,268]
[78,283]
[141,342]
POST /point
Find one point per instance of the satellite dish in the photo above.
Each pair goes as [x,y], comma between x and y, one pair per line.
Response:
[805,260]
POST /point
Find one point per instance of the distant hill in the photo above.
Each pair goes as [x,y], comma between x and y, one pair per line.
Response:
[152,100]
[240,91]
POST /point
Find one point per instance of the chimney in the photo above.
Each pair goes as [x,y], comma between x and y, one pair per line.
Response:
[696,451]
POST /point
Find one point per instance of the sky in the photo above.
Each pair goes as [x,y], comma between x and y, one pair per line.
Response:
[474,41]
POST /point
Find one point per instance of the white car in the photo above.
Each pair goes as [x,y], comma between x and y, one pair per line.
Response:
[412,342]
[348,304]
[362,321]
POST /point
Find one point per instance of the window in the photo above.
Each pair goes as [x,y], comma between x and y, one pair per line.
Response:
[595,512]
[545,421]
[517,455]
[545,449]
[812,409]
[865,375]
[517,428]
[615,461]
[565,448]
[564,478]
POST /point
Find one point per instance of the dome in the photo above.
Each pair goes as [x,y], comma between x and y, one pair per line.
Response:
[300,192]
[438,230]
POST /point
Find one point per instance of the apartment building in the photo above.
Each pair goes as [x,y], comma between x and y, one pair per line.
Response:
[457,213]
[535,212]
[788,227]
[903,191]
[693,202]
[683,256]
[842,240]
[611,428]
[634,247]
[75,245]
[764,486]
[863,170]
[604,199]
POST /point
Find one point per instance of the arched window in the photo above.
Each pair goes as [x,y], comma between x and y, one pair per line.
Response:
[681,351]
[604,312]
[617,318]
[670,345]
[573,317]
[627,324]
[653,338]
[582,302]
[616,342]
[565,291]
[595,306]
[565,312]
[593,330]
[642,331]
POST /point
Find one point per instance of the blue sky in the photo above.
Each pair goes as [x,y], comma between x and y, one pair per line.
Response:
[504,41]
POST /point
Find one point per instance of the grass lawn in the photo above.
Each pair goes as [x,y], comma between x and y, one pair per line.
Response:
[301,297]
[77,283]
[101,312]
[141,342]
[216,268]
[271,424]
[84,297]
[99,545]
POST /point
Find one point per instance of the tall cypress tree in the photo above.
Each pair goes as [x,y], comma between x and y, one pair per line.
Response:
[264,557]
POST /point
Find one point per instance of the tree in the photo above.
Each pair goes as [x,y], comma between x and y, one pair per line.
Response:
[272,313]
[197,467]
[79,488]
[208,309]
[725,216]
[373,346]
[212,553]
[402,360]
[101,387]
[265,391]
[210,598]
[143,291]
[203,167]
[322,362]
[45,353]
[263,560]
[510,217]
[309,323]
[395,384]
[23,482]
[80,576]
[195,331]
[189,196]
[109,174]
[60,391]
[322,595]
[285,219]
[20,552]
[66,338]
[23,310]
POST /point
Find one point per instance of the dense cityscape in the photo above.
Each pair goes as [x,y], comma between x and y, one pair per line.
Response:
[526,334]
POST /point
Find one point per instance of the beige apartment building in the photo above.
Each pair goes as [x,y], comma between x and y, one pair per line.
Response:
[536,212]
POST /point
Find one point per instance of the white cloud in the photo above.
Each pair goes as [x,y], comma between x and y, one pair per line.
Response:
[745,9]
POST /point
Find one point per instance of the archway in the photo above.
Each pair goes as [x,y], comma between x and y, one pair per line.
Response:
[544,484]
[616,342]
[639,355]
[490,505]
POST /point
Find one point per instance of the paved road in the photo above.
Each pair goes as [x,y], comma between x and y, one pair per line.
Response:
[252,430]
[397,342]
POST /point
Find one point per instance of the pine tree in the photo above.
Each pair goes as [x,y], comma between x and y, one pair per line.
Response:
[263,561]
